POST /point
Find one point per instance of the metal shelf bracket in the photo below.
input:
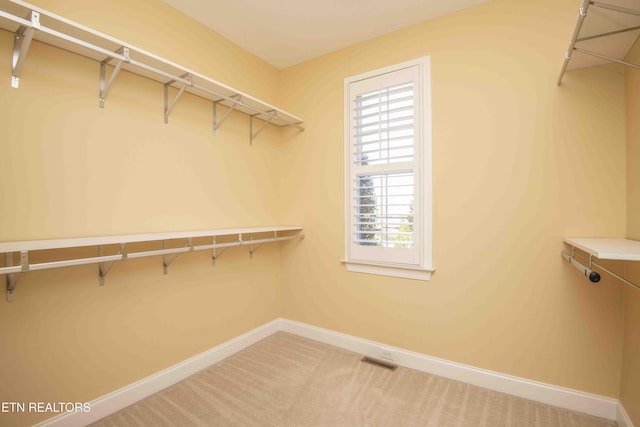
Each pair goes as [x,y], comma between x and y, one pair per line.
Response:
[216,122]
[106,86]
[103,268]
[166,261]
[169,107]
[21,42]
[253,248]
[273,116]
[12,278]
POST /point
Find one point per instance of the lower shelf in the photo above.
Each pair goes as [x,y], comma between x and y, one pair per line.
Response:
[12,271]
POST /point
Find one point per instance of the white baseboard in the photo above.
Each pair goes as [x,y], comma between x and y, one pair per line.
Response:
[574,400]
[558,396]
[622,418]
[139,390]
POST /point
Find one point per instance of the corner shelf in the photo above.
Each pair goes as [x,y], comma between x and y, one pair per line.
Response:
[63,33]
[106,261]
[602,248]
[604,33]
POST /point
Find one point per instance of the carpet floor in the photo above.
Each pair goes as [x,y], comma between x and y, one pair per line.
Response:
[286,380]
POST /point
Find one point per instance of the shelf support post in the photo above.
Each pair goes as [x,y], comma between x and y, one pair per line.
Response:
[12,278]
[168,108]
[103,268]
[21,42]
[214,253]
[213,243]
[106,86]
[273,116]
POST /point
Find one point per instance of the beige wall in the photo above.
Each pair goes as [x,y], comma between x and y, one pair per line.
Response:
[71,169]
[630,384]
[518,163]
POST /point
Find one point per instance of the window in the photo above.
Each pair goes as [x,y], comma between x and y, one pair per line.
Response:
[388,171]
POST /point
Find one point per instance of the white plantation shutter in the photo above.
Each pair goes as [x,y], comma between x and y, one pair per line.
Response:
[384,183]
[386,220]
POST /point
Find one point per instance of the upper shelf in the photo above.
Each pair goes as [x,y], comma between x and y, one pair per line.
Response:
[614,249]
[604,33]
[30,22]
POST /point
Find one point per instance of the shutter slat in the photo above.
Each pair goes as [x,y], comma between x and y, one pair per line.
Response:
[398,106]
[391,91]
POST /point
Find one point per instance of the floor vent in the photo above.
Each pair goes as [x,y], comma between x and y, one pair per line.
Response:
[380,363]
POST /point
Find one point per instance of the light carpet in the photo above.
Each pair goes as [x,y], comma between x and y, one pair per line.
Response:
[286,380]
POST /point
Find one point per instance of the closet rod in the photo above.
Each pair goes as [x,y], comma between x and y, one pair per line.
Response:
[592,275]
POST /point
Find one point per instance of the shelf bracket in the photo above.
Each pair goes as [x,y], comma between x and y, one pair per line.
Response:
[103,268]
[166,261]
[253,248]
[213,238]
[216,122]
[12,278]
[21,42]
[168,108]
[273,116]
[106,86]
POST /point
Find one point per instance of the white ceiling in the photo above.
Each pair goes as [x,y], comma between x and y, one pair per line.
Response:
[286,32]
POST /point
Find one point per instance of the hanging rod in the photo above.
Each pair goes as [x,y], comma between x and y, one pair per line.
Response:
[576,33]
[611,249]
[12,271]
[589,273]
[55,30]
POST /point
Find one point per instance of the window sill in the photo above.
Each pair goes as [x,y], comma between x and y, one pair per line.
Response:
[389,270]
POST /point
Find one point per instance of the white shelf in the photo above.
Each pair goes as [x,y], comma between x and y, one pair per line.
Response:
[257,236]
[29,22]
[613,249]
[37,245]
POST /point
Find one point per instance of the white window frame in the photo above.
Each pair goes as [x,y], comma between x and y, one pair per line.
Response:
[356,260]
